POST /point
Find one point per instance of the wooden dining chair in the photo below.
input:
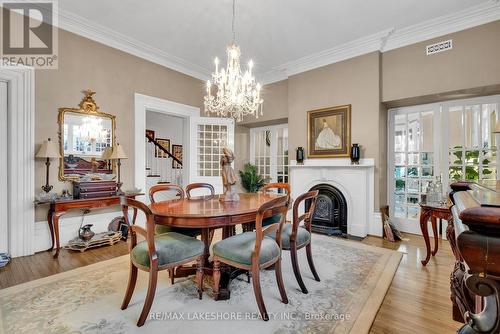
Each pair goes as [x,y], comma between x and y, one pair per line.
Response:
[295,237]
[156,253]
[166,187]
[270,187]
[160,229]
[193,186]
[254,251]
[179,195]
[285,187]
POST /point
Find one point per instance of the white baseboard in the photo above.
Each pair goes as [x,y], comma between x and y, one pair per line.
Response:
[376,225]
[68,228]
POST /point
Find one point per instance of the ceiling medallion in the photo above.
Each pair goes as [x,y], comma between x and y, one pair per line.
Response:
[238,94]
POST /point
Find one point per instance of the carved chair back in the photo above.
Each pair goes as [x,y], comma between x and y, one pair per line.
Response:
[280,207]
[306,216]
[193,186]
[278,185]
[165,187]
[148,233]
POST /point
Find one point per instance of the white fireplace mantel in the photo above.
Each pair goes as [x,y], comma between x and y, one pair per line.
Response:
[333,163]
[356,182]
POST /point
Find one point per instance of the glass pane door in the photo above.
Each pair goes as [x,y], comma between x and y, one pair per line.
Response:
[472,147]
[269,152]
[413,161]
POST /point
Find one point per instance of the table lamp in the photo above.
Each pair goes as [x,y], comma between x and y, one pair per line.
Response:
[47,151]
[106,156]
[118,154]
[497,128]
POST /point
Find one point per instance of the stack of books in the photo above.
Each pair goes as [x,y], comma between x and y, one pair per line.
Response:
[4,259]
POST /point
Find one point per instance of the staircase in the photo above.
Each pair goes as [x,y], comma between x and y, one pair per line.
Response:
[159,164]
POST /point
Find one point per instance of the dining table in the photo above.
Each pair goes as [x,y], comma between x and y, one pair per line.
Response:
[209,213]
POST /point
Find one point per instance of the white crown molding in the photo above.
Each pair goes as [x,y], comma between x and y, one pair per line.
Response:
[345,51]
[390,39]
[443,25]
[381,41]
[86,28]
[83,27]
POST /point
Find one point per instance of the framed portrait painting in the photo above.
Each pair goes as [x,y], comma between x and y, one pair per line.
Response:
[329,132]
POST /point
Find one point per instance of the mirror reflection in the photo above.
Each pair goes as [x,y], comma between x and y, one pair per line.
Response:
[87,139]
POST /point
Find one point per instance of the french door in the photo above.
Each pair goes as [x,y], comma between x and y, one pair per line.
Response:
[207,137]
[269,151]
[413,161]
[4,231]
[454,140]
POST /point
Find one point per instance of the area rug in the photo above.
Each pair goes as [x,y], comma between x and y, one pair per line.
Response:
[354,280]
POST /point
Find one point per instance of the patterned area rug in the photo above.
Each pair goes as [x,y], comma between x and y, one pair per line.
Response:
[354,280]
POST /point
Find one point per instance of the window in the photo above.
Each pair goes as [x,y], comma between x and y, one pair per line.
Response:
[269,152]
[211,140]
[454,140]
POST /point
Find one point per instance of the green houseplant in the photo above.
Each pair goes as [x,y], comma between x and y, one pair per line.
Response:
[471,158]
[251,180]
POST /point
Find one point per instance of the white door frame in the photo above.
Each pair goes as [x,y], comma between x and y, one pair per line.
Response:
[21,157]
[145,103]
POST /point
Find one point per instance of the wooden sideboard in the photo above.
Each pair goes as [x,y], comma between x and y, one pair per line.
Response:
[474,237]
[59,207]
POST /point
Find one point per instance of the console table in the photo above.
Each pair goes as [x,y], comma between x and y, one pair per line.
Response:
[59,207]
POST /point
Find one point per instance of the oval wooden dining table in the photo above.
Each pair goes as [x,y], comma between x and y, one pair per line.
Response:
[209,213]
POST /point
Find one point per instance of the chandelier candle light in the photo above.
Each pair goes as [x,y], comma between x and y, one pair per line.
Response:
[238,94]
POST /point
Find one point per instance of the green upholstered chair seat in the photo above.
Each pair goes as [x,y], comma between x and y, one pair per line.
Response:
[271,220]
[303,236]
[192,232]
[239,249]
[170,247]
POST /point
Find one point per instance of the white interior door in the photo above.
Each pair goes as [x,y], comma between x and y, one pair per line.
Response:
[207,137]
[414,150]
[4,223]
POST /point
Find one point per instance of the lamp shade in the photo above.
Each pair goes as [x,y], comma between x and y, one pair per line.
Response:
[497,128]
[106,155]
[48,149]
[118,153]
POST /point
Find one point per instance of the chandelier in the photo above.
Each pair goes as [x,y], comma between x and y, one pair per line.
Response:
[92,129]
[238,94]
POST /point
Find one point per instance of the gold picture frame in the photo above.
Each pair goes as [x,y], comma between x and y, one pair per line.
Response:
[87,107]
[329,132]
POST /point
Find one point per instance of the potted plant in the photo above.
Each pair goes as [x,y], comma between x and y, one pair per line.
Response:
[251,180]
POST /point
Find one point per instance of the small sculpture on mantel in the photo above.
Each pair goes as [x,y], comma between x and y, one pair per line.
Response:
[228,176]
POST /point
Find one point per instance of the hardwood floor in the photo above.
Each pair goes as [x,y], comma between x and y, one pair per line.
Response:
[417,301]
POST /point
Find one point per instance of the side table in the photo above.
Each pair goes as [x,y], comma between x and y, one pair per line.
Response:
[432,212]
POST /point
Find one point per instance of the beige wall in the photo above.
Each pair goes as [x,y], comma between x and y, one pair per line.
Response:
[275,106]
[115,76]
[354,81]
[473,62]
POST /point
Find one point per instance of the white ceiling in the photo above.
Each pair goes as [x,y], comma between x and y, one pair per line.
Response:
[273,33]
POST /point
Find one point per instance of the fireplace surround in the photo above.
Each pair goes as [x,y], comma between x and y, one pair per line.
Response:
[355,183]
[330,215]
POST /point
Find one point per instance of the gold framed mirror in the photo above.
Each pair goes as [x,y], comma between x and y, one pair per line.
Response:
[86,139]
